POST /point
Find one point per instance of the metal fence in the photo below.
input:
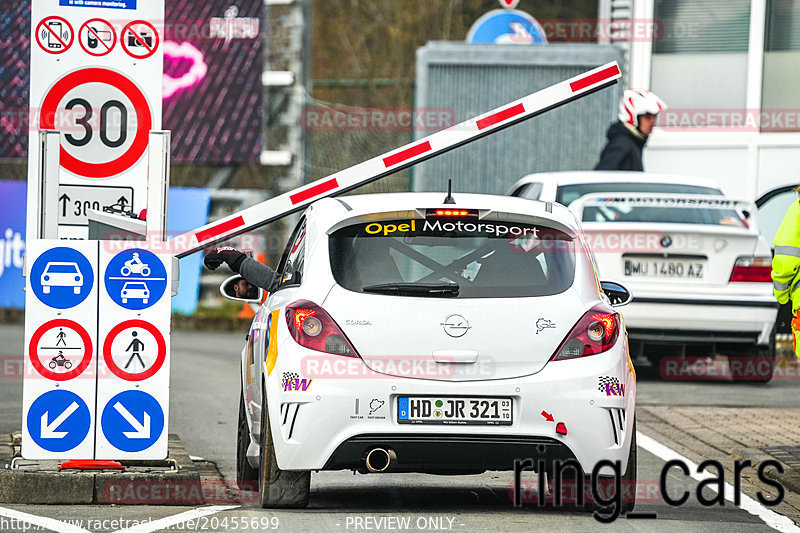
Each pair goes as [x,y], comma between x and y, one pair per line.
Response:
[467,80]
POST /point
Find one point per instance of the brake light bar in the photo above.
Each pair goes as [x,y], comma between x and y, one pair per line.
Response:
[451,213]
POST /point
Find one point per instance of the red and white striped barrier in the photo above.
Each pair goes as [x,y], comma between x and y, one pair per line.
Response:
[391,162]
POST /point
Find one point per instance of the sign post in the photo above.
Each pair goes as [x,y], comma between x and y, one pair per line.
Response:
[133,360]
[103,94]
[60,350]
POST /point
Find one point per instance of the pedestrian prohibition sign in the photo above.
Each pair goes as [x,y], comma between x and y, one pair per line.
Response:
[60,349]
[58,420]
[134,350]
[92,152]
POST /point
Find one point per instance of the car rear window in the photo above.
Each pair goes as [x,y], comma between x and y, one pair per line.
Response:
[566,194]
[480,259]
[661,214]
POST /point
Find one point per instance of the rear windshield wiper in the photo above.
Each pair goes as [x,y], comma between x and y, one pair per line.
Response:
[415,289]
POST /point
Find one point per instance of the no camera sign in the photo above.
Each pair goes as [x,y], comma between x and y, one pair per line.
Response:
[106,119]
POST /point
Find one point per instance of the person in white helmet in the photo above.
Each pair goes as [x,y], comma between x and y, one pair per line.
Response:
[638,111]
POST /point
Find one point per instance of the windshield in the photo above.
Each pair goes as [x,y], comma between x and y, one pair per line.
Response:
[62,268]
[454,259]
[566,194]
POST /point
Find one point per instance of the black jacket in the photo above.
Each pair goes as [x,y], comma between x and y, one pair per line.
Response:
[623,151]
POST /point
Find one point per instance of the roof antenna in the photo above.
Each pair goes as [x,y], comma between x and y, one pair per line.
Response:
[449,199]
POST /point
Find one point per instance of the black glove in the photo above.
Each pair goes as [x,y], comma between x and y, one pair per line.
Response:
[231,256]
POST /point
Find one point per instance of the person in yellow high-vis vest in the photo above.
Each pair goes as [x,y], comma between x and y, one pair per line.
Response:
[786,267]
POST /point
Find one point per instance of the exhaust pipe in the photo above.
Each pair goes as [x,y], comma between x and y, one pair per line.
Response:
[379,459]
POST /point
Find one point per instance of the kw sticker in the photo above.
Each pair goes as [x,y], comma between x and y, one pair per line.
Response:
[297,385]
[611,386]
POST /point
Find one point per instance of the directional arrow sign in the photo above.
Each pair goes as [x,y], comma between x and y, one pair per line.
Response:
[58,421]
[64,201]
[142,430]
[132,421]
[78,200]
[48,431]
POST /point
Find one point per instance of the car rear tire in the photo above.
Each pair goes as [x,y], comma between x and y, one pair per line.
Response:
[630,477]
[287,489]
[246,475]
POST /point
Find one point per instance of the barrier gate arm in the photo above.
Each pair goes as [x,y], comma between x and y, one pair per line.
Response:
[396,160]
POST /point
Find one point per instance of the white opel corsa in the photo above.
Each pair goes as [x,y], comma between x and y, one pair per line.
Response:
[410,334]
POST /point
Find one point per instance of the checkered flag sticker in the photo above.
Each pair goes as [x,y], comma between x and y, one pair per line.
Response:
[287,377]
[606,380]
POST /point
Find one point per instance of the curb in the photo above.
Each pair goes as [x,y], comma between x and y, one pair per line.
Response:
[790,478]
[175,481]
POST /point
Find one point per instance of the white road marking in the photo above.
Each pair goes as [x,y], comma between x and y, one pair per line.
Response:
[170,521]
[774,520]
[48,523]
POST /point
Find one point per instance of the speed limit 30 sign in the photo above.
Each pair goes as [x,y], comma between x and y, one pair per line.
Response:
[108,119]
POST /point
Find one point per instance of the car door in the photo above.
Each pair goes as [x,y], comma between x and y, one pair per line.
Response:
[772,207]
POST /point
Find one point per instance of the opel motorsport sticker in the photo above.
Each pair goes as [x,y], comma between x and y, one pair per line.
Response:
[439,226]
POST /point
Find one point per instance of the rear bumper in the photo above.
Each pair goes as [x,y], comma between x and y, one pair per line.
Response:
[700,320]
[444,453]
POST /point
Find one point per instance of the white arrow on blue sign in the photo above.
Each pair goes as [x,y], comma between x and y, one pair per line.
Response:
[58,421]
[132,421]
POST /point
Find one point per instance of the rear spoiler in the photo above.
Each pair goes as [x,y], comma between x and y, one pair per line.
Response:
[746,208]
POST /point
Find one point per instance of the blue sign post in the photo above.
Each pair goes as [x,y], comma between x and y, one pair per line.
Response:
[59,421]
[132,421]
[135,279]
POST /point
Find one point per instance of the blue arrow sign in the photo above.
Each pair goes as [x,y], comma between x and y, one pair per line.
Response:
[61,277]
[58,421]
[506,26]
[132,421]
[135,279]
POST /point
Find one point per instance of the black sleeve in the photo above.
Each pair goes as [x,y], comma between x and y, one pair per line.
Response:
[259,274]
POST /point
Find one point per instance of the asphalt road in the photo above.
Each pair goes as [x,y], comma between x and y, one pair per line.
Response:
[204,405]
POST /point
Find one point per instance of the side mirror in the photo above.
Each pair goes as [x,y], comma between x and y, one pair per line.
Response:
[239,289]
[617,294]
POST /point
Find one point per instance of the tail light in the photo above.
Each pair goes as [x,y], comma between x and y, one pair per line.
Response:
[595,333]
[313,328]
[752,269]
